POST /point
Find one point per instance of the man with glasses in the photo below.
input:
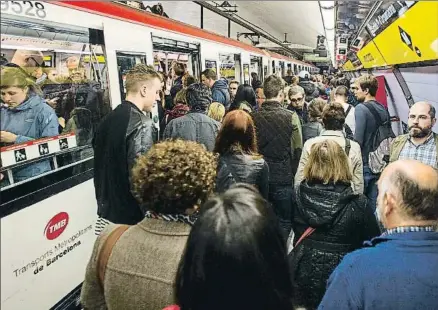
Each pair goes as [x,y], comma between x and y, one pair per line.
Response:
[421,143]
[298,104]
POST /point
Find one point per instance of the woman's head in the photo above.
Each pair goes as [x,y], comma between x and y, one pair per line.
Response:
[327,163]
[216,111]
[340,94]
[15,86]
[237,132]
[246,93]
[181,97]
[315,109]
[174,176]
[235,256]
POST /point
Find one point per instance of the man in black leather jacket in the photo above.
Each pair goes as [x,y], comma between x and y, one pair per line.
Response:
[122,136]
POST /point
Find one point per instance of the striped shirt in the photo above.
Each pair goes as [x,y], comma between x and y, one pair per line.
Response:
[425,153]
[101,223]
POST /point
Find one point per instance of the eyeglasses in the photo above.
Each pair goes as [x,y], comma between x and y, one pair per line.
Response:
[296,100]
[36,63]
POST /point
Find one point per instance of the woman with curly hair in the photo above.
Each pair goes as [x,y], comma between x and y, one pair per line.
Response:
[134,267]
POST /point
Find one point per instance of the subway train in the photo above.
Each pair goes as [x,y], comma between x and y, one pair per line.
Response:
[47,220]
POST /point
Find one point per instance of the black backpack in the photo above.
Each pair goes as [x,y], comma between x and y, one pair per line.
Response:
[380,143]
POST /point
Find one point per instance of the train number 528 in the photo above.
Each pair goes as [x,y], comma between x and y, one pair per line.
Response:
[26,8]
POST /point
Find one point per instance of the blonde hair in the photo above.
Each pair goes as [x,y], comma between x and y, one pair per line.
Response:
[17,77]
[140,73]
[327,162]
[216,111]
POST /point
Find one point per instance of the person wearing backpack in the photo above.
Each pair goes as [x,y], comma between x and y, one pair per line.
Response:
[341,96]
[239,161]
[333,119]
[421,143]
[370,117]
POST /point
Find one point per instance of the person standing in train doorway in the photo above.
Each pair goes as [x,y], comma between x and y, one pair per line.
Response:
[367,125]
[123,135]
[421,143]
[279,138]
[219,89]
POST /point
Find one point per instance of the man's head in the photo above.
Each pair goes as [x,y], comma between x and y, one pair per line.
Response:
[273,88]
[178,69]
[31,61]
[233,88]
[297,97]
[333,117]
[408,194]
[422,117]
[198,97]
[341,94]
[143,85]
[209,77]
[365,88]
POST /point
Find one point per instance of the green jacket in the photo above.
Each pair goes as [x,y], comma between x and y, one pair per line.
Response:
[398,144]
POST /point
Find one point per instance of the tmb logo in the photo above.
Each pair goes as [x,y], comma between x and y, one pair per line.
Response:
[56,226]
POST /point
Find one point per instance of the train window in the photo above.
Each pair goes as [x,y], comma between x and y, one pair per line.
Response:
[125,62]
[230,66]
[167,51]
[51,121]
[211,64]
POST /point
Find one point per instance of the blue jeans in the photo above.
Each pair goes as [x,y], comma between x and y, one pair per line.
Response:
[370,186]
[282,199]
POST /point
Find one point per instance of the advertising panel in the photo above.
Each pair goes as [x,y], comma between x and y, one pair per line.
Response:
[370,56]
[46,247]
[413,37]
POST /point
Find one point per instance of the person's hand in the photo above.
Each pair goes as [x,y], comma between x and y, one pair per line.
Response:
[53,102]
[61,122]
[8,137]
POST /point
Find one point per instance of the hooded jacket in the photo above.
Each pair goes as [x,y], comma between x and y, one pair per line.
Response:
[310,89]
[220,93]
[31,120]
[342,222]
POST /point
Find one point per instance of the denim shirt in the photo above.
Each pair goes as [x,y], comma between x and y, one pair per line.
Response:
[33,119]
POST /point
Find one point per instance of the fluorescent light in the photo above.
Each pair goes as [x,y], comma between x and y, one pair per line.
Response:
[24,47]
[329,18]
[326,4]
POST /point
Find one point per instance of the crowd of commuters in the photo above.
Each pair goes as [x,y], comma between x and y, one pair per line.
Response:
[284,194]
[265,198]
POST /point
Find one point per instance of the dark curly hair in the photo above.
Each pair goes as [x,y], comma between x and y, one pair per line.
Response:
[174,176]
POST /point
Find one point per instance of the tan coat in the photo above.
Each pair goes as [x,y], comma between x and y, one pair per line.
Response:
[355,157]
[141,270]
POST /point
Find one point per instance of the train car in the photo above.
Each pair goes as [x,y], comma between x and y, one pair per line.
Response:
[47,220]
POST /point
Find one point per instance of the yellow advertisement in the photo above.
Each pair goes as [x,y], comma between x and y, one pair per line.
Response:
[348,66]
[413,37]
[370,56]
[99,58]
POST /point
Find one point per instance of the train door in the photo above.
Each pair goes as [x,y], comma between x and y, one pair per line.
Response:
[167,51]
[282,68]
[257,66]
[295,69]
[230,67]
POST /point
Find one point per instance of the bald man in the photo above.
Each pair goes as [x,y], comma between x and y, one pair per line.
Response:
[420,143]
[399,269]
